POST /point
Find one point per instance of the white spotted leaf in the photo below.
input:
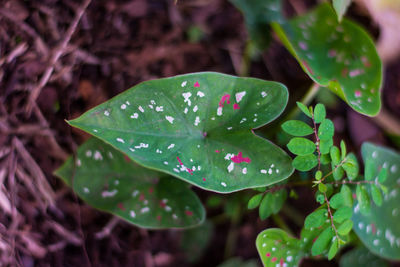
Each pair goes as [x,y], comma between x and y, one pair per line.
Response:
[109,181]
[379,230]
[197,127]
[340,56]
[277,248]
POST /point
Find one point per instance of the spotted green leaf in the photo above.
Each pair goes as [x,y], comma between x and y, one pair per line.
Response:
[277,248]
[361,257]
[258,14]
[340,56]
[340,7]
[379,230]
[109,181]
[305,163]
[297,128]
[197,127]
[301,146]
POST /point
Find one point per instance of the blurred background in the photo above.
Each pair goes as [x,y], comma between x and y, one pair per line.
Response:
[58,58]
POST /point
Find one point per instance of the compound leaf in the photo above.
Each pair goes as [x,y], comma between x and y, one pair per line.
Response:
[340,56]
[197,127]
[107,180]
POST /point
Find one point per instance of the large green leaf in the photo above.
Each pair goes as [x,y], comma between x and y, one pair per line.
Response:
[258,14]
[197,127]
[380,229]
[276,248]
[361,257]
[340,56]
[107,180]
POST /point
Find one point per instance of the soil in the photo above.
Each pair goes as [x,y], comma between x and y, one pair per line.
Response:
[113,46]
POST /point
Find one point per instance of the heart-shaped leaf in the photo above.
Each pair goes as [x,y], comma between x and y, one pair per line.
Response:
[107,180]
[197,127]
[277,248]
[361,257]
[380,229]
[340,56]
[258,14]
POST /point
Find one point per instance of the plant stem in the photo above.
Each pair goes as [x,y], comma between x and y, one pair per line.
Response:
[281,223]
[331,216]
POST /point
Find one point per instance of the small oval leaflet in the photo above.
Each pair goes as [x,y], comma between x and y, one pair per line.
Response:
[197,127]
[109,181]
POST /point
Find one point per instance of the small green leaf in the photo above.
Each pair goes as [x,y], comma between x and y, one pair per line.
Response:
[275,246]
[343,149]
[297,128]
[197,127]
[335,155]
[345,227]
[363,199]
[326,129]
[322,187]
[272,203]
[304,109]
[382,175]
[325,145]
[340,7]
[333,249]
[340,56]
[351,166]
[376,195]
[347,196]
[319,197]
[342,214]
[318,175]
[107,180]
[322,242]
[305,163]
[336,200]
[301,146]
[316,219]
[319,113]
[338,172]
[254,201]
[370,170]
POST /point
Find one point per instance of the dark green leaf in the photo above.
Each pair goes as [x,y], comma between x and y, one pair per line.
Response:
[340,7]
[322,242]
[301,146]
[376,195]
[342,214]
[305,163]
[326,130]
[255,201]
[197,127]
[297,128]
[351,166]
[108,181]
[345,227]
[341,56]
[325,159]
[319,113]
[272,203]
[275,246]
[316,219]
[258,14]
[304,109]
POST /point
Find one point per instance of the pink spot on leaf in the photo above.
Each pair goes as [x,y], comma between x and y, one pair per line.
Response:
[162,204]
[373,228]
[188,213]
[180,162]
[224,98]
[121,206]
[357,93]
[158,217]
[204,179]
[151,189]
[236,106]
[239,158]
[196,84]
[189,171]
[141,197]
[281,262]
[332,53]
[268,254]
[354,196]
[344,72]
[126,158]
[274,259]
[217,151]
